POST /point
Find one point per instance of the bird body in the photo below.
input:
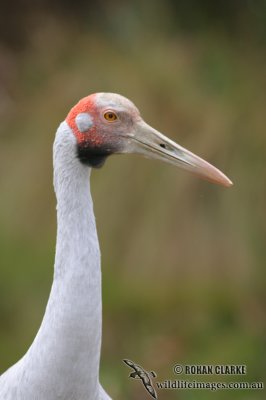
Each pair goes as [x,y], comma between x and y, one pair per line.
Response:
[63,361]
[65,353]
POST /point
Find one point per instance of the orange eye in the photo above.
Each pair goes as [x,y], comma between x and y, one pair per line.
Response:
[110,116]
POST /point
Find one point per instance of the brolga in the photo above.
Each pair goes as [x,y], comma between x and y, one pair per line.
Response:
[63,361]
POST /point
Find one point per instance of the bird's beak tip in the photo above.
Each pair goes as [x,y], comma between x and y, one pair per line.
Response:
[222,179]
[219,179]
[229,183]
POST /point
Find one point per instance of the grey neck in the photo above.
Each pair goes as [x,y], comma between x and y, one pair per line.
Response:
[66,351]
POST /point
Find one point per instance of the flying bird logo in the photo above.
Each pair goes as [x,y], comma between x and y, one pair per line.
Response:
[144,376]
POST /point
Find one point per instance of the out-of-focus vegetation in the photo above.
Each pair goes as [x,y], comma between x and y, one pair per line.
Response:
[183,260]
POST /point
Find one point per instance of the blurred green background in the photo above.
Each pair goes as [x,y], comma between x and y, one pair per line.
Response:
[183,260]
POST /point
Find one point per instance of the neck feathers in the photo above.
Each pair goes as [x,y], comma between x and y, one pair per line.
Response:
[65,353]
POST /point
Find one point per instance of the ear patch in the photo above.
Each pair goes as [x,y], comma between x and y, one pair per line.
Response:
[84,122]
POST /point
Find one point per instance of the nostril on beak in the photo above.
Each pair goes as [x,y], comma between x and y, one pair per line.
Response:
[166,147]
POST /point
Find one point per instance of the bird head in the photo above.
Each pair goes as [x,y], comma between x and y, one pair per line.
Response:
[108,123]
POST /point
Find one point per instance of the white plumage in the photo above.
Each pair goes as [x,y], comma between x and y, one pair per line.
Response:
[63,361]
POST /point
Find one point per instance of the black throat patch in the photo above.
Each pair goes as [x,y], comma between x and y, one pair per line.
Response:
[93,157]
